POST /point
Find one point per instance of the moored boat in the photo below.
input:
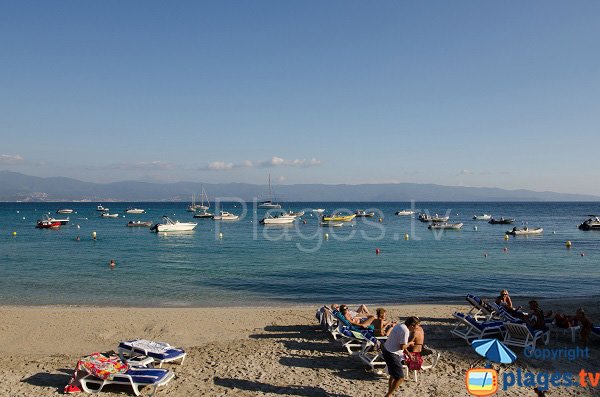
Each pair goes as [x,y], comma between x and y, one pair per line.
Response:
[64,211]
[170,225]
[501,221]
[444,225]
[107,215]
[591,224]
[332,224]
[524,231]
[436,218]
[404,212]
[63,221]
[204,215]
[364,214]
[278,219]
[339,218]
[132,210]
[47,223]
[225,216]
[319,210]
[296,214]
[484,217]
[139,224]
[269,204]
[101,208]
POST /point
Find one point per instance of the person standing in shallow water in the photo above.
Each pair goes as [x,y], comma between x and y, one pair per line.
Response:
[112,264]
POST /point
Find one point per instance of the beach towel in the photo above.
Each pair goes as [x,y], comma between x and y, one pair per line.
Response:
[150,346]
[96,364]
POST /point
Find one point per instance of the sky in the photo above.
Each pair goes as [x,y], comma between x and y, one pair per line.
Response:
[497,94]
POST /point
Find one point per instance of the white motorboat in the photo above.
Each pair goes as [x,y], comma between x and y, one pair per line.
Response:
[225,216]
[484,217]
[435,219]
[269,204]
[295,214]
[170,225]
[64,211]
[364,214]
[444,225]
[404,212]
[319,210]
[332,224]
[101,208]
[62,221]
[524,231]
[203,215]
[134,211]
[107,215]
[279,219]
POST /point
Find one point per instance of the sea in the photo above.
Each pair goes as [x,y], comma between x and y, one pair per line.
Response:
[386,259]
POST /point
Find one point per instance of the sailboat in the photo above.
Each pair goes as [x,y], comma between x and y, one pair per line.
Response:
[269,204]
[192,207]
[203,206]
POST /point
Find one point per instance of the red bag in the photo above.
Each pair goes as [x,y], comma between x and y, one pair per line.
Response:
[414,361]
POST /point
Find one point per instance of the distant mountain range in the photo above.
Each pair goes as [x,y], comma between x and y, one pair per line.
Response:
[19,187]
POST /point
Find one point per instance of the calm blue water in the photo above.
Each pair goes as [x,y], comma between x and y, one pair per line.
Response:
[254,265]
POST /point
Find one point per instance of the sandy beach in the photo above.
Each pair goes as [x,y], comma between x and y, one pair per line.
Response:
[247,351]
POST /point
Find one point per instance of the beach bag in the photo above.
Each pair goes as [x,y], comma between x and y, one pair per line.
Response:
[414,361]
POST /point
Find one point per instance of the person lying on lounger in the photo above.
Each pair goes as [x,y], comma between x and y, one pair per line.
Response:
[383,327]
[361,322]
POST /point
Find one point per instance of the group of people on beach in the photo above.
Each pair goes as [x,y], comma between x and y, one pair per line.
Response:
[535,318]
[404,340]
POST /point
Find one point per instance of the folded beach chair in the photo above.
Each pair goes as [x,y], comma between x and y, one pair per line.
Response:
[523,336]
[160,352]
[468,328]
[135,377]
[480,310]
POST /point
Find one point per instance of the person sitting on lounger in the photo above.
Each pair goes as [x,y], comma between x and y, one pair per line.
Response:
[566,321]
[383,327]
[504,300]
[535,317]
[355,320]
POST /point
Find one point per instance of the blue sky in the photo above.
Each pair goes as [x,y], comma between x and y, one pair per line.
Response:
[502,94]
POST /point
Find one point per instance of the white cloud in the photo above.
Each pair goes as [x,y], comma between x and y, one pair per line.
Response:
[10,158]
[465,172]
[144,165]
[281,179]
[275,161]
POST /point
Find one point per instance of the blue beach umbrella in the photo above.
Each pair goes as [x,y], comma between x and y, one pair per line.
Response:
[494,350]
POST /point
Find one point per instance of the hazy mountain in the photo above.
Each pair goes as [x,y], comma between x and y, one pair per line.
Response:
[15,186]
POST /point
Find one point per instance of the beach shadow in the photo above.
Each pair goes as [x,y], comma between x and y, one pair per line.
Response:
[291,390]
[323,347]
[291,328]
[45,379]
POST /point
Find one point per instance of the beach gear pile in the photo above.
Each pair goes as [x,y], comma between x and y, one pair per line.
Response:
[138,364]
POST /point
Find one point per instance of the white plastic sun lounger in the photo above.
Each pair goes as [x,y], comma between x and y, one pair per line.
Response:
[160,352]
[134,377]
[468,328]
[479,310]
[522,336]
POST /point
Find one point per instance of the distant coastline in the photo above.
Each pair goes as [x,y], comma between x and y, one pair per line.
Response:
[17,187]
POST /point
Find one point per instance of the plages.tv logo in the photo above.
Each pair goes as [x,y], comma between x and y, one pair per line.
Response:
[482,381]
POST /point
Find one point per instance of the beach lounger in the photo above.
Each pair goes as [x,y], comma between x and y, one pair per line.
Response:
[522,336]
[135,377]
[480,310]
[160,352]
[331,322]
[352,340]
[502,313]
[468,328]
[573,330]
[370,352]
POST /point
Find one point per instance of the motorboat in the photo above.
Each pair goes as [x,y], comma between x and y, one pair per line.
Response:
[524,231]
[63,221]
[591,224]
[170,225]
[101,208]
[269,204]
[444,225]
[64,211]
[339,218]
[435,219]
[484,217]
[364,214]
[278,219]
[225,216]
[47,223]
[107,215]
[203,214]
[332,224]
[319,210]
[404,212]
[134,211]
[501,221]
[296,214]
[139,224]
